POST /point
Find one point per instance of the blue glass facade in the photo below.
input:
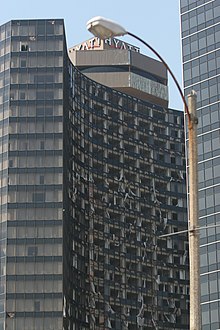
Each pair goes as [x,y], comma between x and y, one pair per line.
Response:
[200,21]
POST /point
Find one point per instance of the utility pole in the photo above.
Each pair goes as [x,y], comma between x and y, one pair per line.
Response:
[194,257]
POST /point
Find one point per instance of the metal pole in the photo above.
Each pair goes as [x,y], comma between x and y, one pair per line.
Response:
[194,258]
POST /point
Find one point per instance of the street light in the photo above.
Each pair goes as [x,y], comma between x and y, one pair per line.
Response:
[105,28]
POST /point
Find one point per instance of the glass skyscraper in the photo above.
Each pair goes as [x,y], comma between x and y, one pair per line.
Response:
[91,177]
[200,22]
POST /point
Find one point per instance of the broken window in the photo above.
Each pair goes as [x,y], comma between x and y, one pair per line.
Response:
[24,47]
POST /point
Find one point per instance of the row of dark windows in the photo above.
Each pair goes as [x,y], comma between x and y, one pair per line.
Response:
[191,4]
[121,68]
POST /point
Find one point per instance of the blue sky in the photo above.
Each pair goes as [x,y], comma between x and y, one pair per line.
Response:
[156,21]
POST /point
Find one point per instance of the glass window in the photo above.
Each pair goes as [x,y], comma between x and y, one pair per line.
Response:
[37,306]
[204,93]
[211,64]
[208,173]
[203,260]
[41,179]
[204,286]
[194,46]
[38,197]
[22,95]
[202,42]
[50,28]
[214,313]
[214,114]
[213,92]
[205,315]
[206,119]
[203,68]
[212,254]
[209,14]
[192,22]
[195,70]
[201,18]
[213,284]
[217,36]
[40,111]
[32,251]
[41,28]
[207,146]
[215,143]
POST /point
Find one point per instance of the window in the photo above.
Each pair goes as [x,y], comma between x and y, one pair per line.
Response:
[42,145]
[172,146]
[10,163]
[174,201]
[23,63]
[40,95]
[40,112]
[41,28]
[32,251]
[37,306]
[174,133]
[42,79]
[48,111]
[49,95]
[161,158]
[173,160]
[22,96]
[41,179]
[38,197]
[50,28]
[24,47]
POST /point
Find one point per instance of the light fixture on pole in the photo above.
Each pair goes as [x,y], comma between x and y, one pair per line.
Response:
[105,28]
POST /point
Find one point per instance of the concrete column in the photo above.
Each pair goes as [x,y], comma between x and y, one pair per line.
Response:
[195,315]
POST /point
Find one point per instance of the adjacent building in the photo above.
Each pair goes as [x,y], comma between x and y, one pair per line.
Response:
[200,22]
[92,175]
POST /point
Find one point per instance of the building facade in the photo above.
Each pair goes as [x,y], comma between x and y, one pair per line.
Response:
[200,22]
[91,177]
[32,103]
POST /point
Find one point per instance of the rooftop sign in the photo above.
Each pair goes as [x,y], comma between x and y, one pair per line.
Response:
[99,44]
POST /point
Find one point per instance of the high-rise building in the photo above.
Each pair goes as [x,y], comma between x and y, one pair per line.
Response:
[200,22]
[91,178]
